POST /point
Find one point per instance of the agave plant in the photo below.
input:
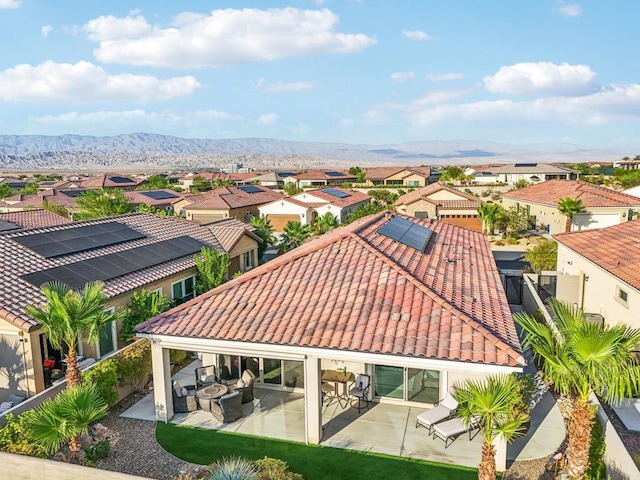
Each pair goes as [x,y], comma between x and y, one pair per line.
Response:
[232,468]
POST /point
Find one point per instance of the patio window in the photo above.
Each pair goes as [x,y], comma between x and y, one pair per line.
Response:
[293,374]
[408,384]
[183,290]
[413,183]
[272,371]
[248,264]
[107,337]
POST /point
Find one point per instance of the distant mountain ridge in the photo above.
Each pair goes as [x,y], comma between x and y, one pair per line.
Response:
[155,150]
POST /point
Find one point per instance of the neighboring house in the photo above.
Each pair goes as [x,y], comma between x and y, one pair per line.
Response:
[186,182]
[14,183]
[629,164]
[129,253]
[417,315]
[320,178]
[239,241]
[398,176]
[240,202]
[603,207]
[272,179]
[111,180]
[306,207]
[161,199]
[530,172]
[57,184]
[64,198]
[603,266]
[444,203]
[31,218]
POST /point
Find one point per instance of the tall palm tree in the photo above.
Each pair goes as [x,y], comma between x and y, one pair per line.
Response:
[67,417]
[293,236]
[488,214]
[570,207]
[264,230]
[490,403]
[581,358]
[69,314]
[326,222]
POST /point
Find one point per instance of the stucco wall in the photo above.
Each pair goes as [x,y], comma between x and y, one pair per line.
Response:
[419,206]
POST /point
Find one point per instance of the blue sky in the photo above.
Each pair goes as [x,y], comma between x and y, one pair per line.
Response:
[357,71]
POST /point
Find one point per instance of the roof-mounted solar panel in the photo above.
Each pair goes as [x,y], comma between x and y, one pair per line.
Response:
[407,232]
[159,194]
[75,193]
[526,165]
[334,174]
[250,189]
[6,226]
[121,180]
[336,193]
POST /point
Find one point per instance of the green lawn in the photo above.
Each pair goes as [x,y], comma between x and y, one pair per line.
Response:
[203,446]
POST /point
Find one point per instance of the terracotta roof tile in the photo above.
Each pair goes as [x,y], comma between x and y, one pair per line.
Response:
[354,197]
[615,249]
[229,231]
[322,175]
[355,289]
[232,197]
[424,193]
[34,218]
[549,192]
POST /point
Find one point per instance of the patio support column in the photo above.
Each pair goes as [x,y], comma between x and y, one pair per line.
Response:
[162,396]
[312,400]
[501,453]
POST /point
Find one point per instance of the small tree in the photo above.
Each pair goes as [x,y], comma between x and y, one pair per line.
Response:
[544,256]
[326,222]
[570,207]
[291,189]
[513,220]
[213,268]
[143,305]
[200,184]
[154,182]
[381,195]
[293,236]
[55,208]
[264,230]
[488,214]
[364,210]
[5,190]
[102,203]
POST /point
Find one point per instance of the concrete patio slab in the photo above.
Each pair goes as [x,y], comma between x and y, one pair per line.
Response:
[629,413]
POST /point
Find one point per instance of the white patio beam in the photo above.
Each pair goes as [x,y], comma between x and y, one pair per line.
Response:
[162,396]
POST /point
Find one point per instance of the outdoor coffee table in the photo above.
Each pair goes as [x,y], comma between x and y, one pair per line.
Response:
[210,393]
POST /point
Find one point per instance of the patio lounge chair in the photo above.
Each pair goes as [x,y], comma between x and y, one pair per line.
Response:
[244,384]
[360,390]
[452,429]
[228,408]
[442,410]
[184,398]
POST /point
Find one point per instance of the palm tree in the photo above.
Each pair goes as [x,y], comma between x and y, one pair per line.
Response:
[490,403]
[264,230]
[326,222]
[69,314]
[293,236]
[67,417]
[488,214]
[569,207]
[581,358]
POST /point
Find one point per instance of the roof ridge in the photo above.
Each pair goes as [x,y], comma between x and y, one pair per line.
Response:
[485,331]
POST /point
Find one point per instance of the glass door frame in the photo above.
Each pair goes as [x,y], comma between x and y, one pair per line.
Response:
[442,385]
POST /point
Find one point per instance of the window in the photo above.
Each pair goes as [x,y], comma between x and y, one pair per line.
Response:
[409,384]
[107,337]
[422,214]
[248,264]
[413,183]
[183,290]
[622,296]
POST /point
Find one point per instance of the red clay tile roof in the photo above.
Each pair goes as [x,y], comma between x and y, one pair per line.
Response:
[549,192]
[17,260]
[322,175]
[353,198]
[355,289]
[300,203]
[424,192]
[380,173]
[137,197]
[232,197]
[55,196]
[34,218]
[229,231]
[104,181]
[615,249]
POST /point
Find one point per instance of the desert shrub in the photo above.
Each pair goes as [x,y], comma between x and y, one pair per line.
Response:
[98,450]
[232,468]
[274,469]
[178,357]
[597,469]
[499,243]
[134,365]
[512,241]
[104,375]
[143,305]
[496,196]
[485,193]
[16,436]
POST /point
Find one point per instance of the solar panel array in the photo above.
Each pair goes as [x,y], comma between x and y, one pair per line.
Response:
[159,194]
[406,232]
[8,226]
[78,239]
[336,193]
[526,165]
[121,180]
[286,174]
[73,193]
[250,189]
[334,174]
[77,274]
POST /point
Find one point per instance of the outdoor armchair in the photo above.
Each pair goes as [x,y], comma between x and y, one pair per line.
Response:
[244,384]
[206,376]
[441,411]
[228,408]
[184,399]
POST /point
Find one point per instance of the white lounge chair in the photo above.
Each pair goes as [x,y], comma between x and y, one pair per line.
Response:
[443,410]
[452,429]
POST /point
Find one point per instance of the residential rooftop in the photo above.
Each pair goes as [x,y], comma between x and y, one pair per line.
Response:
[337,196]
[549,192]
[233,197]
[33,218]
[467,200]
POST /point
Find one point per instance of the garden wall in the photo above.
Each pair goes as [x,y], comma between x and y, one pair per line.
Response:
[21,467]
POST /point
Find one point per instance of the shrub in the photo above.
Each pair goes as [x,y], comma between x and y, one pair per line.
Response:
[597,469]
[499,243]
[134,364]
[16,436]
[232,469]
[98,450]
[144,305]
[496,196]
[178,356]
[512,241]
[274,469]
[104,375]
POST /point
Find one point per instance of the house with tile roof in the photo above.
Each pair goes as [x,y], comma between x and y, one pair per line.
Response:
[416,304]
[186,181]
[307,206]
[602,271]
[240,202]
[111,180]
[128,253]
[530,172]
[160,199]
[32,218]
[321,178]
[65,198]
[445,203]
[399,176]
[274,179]
[602,207]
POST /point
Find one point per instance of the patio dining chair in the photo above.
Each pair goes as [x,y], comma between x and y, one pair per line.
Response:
[441,411]
[452,429]
[360,390]
[206,376]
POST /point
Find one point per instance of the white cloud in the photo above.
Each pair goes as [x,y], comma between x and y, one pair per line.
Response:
[401,77]
[439,96]
[222,38]
[527,78]
[443,77]
[114,122]
[279,86]
[83,82]
[569,9]
[268,118]
[46,30]
[10,4]
[416,35]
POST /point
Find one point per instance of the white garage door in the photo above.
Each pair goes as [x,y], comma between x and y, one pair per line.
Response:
[595,220]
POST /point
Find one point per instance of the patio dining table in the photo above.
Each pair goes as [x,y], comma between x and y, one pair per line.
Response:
[338,377]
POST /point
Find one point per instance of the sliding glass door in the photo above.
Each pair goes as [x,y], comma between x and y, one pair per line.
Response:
[409,384]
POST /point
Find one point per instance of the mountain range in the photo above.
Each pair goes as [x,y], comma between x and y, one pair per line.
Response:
[152,151]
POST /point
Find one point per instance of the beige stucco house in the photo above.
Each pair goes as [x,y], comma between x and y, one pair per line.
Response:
[398,176]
